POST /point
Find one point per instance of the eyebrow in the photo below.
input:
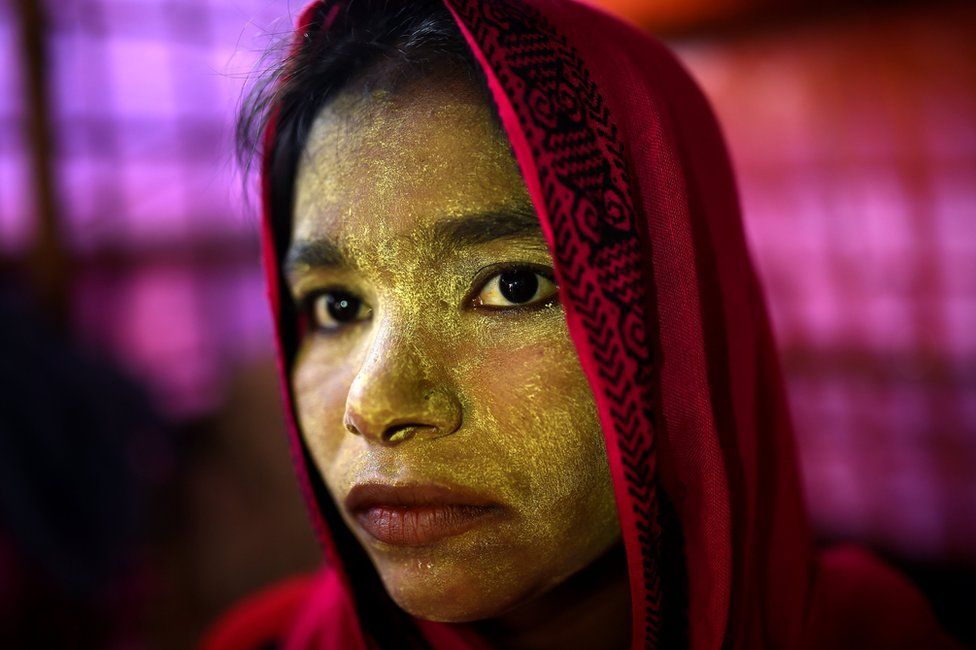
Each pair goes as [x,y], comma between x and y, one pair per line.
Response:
[318,252]
[488,226]
[461,231]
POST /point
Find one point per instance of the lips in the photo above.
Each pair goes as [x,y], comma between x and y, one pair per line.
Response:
[417,515]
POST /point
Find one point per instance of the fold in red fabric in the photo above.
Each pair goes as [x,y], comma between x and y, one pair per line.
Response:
[630,178]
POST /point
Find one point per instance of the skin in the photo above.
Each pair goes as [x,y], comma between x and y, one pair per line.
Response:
[492,394]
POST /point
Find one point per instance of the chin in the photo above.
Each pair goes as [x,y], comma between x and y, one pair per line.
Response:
[449,596]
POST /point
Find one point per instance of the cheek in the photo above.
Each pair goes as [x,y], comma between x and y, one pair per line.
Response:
[320,390]
[540,402]
[545,425]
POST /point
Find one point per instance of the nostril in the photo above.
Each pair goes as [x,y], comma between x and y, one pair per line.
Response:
[402,432]
[399,434]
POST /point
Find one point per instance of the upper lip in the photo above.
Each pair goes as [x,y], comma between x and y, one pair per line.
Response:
[364,496]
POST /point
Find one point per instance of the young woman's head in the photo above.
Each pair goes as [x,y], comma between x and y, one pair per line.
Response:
[435,384]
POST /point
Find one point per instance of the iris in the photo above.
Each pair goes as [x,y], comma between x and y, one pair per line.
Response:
[342,307]
[519,285]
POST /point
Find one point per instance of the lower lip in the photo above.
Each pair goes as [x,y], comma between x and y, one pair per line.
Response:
[421,525]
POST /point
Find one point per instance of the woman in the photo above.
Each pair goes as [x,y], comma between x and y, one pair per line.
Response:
[533,396]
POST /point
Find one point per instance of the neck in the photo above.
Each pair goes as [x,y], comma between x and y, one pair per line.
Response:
[590,609]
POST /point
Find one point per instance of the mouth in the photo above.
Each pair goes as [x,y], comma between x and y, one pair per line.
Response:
[417,515]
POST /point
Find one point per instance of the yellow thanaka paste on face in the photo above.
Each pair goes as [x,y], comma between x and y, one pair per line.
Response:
[507,408]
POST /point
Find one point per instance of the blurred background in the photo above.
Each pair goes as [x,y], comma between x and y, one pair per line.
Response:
[144,477]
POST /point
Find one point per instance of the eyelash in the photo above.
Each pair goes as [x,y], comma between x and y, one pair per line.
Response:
[307,303]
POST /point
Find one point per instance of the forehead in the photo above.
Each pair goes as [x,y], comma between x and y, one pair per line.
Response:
[387,164]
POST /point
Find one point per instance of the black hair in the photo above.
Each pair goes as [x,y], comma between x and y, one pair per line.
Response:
[369,43]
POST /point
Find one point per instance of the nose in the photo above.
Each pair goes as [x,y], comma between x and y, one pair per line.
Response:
[394,398]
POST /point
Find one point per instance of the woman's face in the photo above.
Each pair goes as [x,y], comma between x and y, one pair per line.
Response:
[436,384]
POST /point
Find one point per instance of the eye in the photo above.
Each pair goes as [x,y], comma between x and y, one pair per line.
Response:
[332,309]
[514,287]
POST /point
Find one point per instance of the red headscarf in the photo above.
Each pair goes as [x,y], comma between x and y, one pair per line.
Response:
[632,184]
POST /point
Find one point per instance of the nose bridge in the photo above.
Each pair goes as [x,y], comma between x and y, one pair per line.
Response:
[400,346]
[401,389]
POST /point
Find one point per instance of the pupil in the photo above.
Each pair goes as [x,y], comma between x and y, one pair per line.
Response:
[342,307]
[518,286]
